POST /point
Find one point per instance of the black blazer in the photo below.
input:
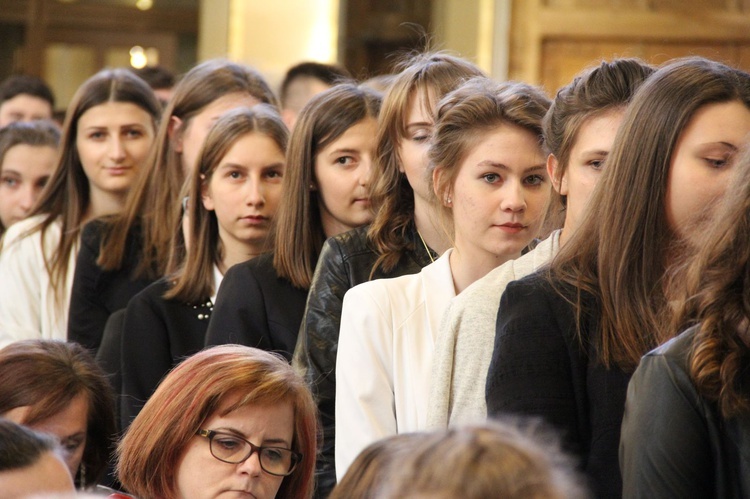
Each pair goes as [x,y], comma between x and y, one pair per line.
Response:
[539,368]
[157,335]
[96,293]
[257,308]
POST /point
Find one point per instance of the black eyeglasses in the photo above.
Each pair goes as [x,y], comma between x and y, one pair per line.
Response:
[234,450]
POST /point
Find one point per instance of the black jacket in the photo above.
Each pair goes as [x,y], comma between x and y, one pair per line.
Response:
[540,368]
[675,443]
[345,261]
[97,293]
[157,335]
[257,308]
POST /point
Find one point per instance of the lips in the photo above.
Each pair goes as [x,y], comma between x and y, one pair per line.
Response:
[117,170]
[255,219]
[511,227]
[365,201]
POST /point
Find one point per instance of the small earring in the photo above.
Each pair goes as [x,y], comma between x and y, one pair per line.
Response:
[448,201]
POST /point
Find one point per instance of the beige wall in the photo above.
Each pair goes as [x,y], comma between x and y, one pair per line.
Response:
[270,36]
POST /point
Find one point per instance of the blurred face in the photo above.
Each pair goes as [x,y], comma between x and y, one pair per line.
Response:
[244,192]
[24,107]
[202,476]
[702,164]
[69,426]
[499,195]
[592,145]
[342,173]
[191,134]
[48,475]
[23,174]
[113,142]
[412,149]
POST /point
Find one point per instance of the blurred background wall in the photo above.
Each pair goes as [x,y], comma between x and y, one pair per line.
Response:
[540,41]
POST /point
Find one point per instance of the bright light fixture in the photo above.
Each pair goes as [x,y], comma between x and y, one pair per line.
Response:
[144,4]
[138,57]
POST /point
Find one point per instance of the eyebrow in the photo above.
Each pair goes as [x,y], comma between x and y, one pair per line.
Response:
[105,127]
[720,142]
[594,152]
[501,166]
[345,150]
[244,167]
[265,441]
[419,124]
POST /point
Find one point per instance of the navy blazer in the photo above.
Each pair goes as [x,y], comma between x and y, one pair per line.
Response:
[540,367]
[257,308]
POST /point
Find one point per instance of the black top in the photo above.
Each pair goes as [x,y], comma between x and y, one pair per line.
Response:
[97,293]
[345,261]
[157,335]
[257,308]
[539,368]
[675,443]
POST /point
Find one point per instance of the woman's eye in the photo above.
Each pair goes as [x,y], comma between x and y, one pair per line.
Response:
[534,180]
[134,134]
[235,175]
[596,164]
[11,183]
[227,443]
[717,162]
[491,178]
[274,174]
[344,160]
[96,135]
[273,454]
[70,446]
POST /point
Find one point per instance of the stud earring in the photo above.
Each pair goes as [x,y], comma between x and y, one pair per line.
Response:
[448,201]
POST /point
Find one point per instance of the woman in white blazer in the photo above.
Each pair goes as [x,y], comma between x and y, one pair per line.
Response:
[489,176]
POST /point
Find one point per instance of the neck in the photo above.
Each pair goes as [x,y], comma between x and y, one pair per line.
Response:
[102,204]
[426,220]
[467,268]
[234,254]
[331,226]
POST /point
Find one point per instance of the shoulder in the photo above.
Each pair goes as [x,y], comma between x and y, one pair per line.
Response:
[25,230]
[675,353]
[348,244]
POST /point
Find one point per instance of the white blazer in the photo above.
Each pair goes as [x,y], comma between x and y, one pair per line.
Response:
[383,365]
[28,306]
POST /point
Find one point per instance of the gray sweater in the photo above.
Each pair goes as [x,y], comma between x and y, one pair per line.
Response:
[463,348]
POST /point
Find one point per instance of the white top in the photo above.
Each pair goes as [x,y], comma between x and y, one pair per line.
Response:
[388,329]
[464,344]
[218,277]
[28,306]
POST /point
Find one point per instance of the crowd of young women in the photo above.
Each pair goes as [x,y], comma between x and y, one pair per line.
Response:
[452,250]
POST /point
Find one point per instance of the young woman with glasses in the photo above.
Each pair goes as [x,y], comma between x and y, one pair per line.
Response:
[228,419]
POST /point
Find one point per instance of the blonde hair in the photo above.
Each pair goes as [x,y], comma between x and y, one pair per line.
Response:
[485,461]
[193,392]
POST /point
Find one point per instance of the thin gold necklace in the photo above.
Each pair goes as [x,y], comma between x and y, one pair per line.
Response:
[429,253]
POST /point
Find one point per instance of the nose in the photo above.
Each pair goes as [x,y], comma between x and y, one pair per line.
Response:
[365,167]
[514,198]
[117,150]
[251,465]
[255,192]
[26,198]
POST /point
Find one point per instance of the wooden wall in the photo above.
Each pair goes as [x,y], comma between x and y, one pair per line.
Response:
[552,40]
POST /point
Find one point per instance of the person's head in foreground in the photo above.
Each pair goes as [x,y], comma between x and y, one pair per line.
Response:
[484,461]
[228,419]
[30,463]
[57,388]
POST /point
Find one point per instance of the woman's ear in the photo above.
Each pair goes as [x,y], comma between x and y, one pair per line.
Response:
[553,170]
[175,131]
[206,199]
[445,196]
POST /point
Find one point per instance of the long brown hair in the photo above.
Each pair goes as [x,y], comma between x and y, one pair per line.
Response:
[194,278]
[429,76]
[299,234]
[618,256]
[194,391]
[716,295]
[46,376]
[155,196]
[66,196]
